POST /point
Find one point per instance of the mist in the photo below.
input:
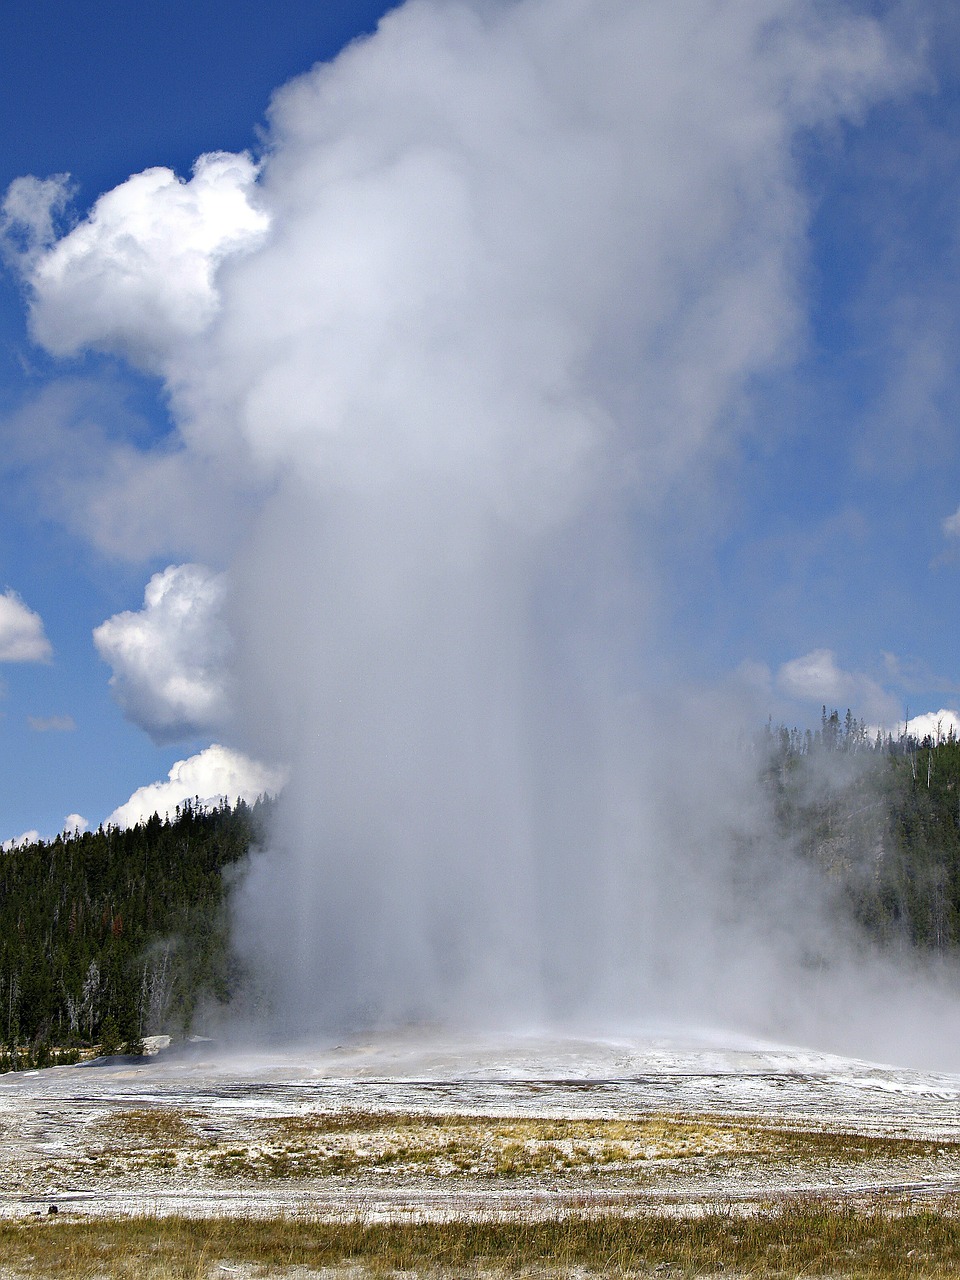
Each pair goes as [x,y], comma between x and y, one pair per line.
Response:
[525,261]
[478,326]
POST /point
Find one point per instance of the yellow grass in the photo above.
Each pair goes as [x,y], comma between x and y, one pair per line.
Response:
[478,1147]
[813,1239]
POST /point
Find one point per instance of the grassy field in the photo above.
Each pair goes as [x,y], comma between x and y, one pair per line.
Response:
[488,1148]
[697,1159]
[811,1239]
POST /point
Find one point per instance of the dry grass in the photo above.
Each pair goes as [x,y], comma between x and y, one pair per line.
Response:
[148,1127]
[321,1145]
[816,1239]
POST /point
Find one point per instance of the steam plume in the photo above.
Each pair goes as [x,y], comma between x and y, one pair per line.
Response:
[523,261]
[502,280]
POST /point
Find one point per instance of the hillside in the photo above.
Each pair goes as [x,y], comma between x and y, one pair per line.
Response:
[115,934]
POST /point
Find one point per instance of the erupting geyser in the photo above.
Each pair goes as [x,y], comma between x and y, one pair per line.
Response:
[523,259]
[490,304]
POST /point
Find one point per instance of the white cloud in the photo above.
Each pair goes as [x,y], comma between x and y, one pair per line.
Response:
[816,677]
[22,637]
[462,214]
[170,659]
[951,525]
[27,215]
[136,276]
[17,842]
[52,724]
[215,774]
[74,824]
[934,724]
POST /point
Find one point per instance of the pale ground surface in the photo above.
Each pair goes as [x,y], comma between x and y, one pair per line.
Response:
[517,1126]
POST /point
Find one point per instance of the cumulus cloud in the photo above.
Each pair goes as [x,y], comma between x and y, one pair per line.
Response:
[74,824]
[816,677]
[22,637]
[213,775]
[17,842]
[52,724]
[934,724]
[136,276]
[951,525]
[169,659]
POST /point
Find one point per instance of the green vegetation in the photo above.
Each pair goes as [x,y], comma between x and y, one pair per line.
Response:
[880,817]
[112,935]
[813,1238]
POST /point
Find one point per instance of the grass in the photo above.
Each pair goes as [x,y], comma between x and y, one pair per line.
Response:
[796,1237]
[140,1127]
[489,1148]
[810,1239]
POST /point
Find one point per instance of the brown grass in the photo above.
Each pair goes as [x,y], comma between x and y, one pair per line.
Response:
[148,1127]
[318,1145]
[816,1239]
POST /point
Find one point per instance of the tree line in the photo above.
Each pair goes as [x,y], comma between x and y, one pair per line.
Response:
[111,935]
[880,817]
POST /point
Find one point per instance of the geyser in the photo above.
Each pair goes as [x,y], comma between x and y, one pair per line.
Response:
[523,260]
[491,303]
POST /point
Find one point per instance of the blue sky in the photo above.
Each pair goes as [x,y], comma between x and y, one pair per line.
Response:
[808,550]
[101,92]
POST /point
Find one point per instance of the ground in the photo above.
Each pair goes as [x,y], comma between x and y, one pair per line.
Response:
[521,1129]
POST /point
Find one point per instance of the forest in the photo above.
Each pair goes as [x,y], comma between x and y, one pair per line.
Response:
[112,935]
[879,817]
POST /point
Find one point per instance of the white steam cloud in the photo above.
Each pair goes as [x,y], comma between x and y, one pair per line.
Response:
[523,261]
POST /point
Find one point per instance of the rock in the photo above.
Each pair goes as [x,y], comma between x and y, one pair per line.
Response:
[152,1045]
